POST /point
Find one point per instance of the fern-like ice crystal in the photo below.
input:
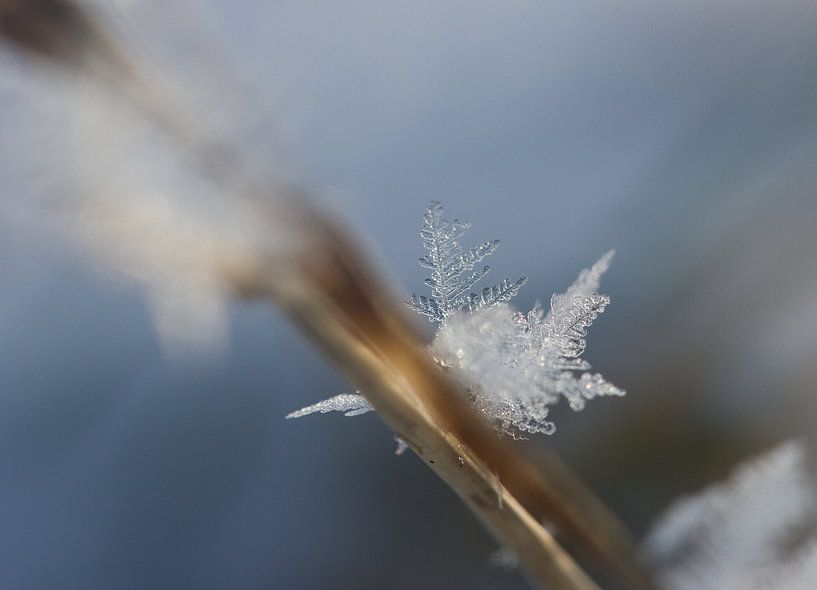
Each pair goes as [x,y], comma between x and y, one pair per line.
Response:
[517,365]
[514,365]
[452,274]
[351,404]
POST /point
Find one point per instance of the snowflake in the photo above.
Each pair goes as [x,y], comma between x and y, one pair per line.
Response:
[514,365]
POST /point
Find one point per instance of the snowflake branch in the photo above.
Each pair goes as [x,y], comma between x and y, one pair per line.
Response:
[348,403]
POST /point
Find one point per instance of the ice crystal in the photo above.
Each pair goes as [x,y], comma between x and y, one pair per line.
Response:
[505,559]
[517,365]
[514,365]
[402,446]
[754,531]
[351,404]
[449,263]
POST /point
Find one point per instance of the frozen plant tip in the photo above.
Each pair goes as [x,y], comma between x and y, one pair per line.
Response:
[514,365]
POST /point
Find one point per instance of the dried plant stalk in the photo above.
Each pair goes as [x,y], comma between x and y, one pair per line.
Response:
[335,298]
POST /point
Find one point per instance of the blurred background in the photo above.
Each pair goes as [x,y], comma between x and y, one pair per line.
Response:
[684,135]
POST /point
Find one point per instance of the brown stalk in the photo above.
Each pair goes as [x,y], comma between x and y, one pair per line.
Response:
[331,291]
[336,298]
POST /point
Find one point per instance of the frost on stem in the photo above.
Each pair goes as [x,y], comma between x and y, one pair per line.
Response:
[514,365]
[757,530]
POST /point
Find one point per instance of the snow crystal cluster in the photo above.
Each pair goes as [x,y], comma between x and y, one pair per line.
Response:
[756,531]
[514,365]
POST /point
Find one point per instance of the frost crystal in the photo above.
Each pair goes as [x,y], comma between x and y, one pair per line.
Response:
[755,531]
[448,263]
[517,365]
[514,365]
[351,404]
[505,559]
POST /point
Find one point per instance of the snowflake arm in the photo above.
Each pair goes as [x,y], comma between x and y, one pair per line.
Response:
[567,325]
[425,306]
[589,280]
[351,404]
[501,293]
[449,263]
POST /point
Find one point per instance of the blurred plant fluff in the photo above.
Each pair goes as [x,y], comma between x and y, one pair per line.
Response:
[757,530]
